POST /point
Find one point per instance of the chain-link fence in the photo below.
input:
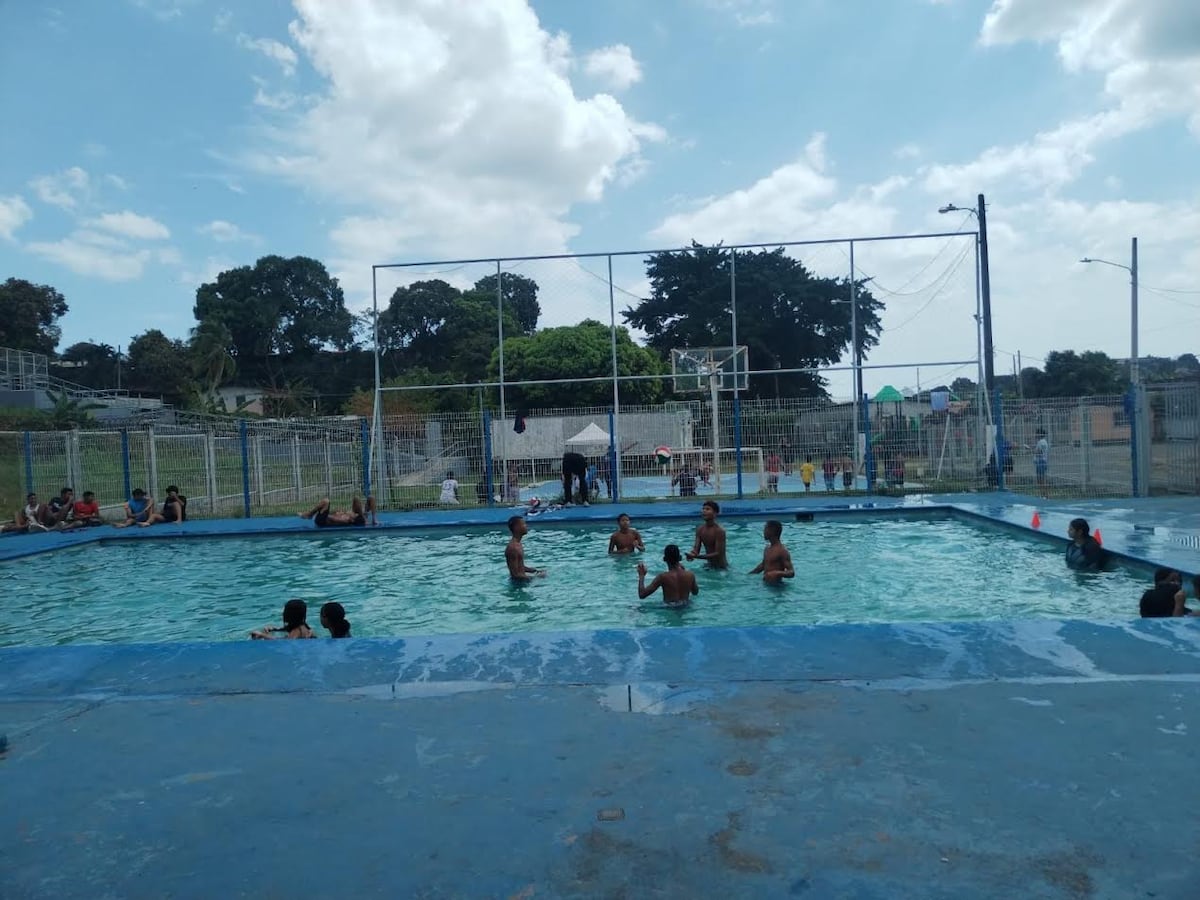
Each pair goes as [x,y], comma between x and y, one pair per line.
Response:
[1071,448]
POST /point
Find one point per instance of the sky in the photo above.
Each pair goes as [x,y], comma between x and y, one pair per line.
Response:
[150,144]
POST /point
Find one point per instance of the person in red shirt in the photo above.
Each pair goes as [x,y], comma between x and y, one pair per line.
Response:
[86,511]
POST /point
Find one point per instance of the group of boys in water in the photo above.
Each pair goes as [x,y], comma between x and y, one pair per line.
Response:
[64,512]
[678,584]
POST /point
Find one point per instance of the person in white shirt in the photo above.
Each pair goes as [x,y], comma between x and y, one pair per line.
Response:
[449,489]
[1041,460]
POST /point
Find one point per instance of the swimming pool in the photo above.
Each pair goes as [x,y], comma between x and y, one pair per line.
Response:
[407,582]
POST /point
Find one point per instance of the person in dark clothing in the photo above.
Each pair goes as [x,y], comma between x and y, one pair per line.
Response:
[1084,553]
[1166,599]
[686,481]
[574,465]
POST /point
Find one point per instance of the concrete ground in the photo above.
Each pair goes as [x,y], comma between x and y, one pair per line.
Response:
[1010,760]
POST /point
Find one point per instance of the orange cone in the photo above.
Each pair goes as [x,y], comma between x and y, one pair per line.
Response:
[1037,520]
[1096,535]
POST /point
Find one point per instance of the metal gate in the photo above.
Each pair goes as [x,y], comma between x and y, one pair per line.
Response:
[1180,437]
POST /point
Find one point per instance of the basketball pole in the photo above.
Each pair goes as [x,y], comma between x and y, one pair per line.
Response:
[854,361]
[503,420]
[614,438]
[716,430]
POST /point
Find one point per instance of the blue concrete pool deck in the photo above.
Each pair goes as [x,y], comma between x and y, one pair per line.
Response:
[1020,759]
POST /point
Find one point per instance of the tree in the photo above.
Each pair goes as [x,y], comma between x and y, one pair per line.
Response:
[1087,374]
[30,316]
[89,364]
[159,365]
[963,388]
[787,317]
[578,351]
[280,306]
[518,295]
[434,326]
[212,362]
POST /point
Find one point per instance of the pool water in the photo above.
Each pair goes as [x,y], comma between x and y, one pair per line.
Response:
[445,581]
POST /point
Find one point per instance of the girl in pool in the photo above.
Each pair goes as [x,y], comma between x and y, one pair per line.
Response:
[295,624]
[333,620]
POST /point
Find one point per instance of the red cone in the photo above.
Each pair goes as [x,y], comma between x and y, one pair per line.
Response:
[1037,520]
[1096,535]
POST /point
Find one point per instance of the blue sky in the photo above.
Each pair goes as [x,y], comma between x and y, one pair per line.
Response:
[153,143]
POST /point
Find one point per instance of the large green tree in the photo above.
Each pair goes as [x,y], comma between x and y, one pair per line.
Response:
[1070,374]
[159,365]
[518,294]
[788,318]
[29,315]
[89,364]
[432,325]
[578,351]
[277,307]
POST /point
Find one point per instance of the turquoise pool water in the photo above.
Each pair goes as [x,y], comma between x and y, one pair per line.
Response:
[403,583]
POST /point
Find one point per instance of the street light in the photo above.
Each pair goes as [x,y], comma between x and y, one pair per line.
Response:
[1141,458]
[1132,269]
[979,211]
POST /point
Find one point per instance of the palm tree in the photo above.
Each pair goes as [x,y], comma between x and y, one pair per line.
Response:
[212,362]
[70,412]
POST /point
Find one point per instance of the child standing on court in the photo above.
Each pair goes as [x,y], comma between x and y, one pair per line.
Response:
[807,471]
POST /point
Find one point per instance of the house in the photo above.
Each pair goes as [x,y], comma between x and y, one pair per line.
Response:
[242,398]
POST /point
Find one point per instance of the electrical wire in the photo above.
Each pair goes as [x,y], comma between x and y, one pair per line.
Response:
[947,275]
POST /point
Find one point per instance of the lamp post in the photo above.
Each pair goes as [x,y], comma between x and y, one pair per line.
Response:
[1141,458]
[1132,269]
[985,281]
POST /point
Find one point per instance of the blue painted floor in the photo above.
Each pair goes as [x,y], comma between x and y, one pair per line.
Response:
[1007,760]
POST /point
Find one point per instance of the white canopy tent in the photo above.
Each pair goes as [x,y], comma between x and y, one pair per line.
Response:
[591,437]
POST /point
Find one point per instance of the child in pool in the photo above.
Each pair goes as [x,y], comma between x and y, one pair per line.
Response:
[295,624]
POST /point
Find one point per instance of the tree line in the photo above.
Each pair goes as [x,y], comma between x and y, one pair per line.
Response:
[282,326]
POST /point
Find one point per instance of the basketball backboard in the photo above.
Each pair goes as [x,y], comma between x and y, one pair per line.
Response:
[693,367]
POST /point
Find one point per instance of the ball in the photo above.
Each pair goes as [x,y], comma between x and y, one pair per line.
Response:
[662,455]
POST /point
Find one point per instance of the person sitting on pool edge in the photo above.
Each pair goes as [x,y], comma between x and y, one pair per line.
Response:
[1166,599]
[138,509]
[57,513]
[295,624]
[86,512]
[333,620]
[26,519]
[677,583]
[449,489]
[324,516]
[514,553]
[776,562]
[174,509]
[710,536]
[625,539]
[1084,553]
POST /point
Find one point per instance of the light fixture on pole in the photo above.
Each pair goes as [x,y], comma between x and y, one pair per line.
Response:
[985,279]
[1132,268]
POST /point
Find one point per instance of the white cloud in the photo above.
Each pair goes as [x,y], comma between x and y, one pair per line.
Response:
[222,20]
[746,13]
[908,151]
[273,50]
[14,212]
[225,232]
[1148,50]
[117,181]
[277,100]
[82,253]
[164,10]
[448,128]
[64,189]
[614,65]
[131,225]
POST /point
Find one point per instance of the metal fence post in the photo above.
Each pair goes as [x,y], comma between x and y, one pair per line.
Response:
[152,456]
[998,418]
[259,479]
[210,465]
[365,433]
[1130,404]
[28,463]
[612,482]
[868,450]
[244,439]
[737,440]
[488,475]
[328,466]
[125,462]
[297,481]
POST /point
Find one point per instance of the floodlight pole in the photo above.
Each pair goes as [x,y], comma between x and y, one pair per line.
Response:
[713,375]
[503,420]
[377,406]
[614,485]
[854,360]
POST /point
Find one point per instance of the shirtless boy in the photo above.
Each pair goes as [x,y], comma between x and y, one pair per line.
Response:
[324,516]
[514,553]
[677,583]
[776,562]
[710,536]
[624,539]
